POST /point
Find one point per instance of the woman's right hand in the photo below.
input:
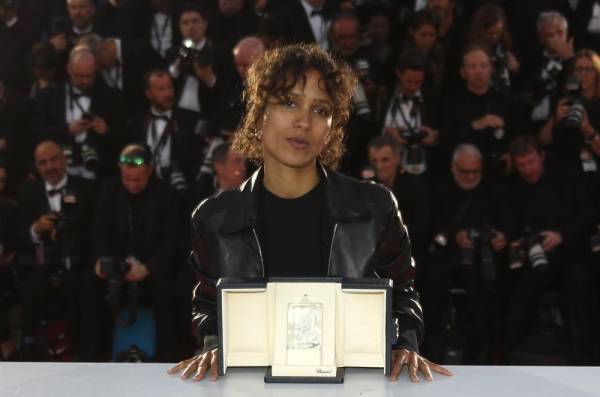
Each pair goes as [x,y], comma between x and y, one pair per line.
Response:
[198,366]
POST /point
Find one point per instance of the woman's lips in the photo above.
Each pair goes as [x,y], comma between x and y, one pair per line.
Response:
[298,143]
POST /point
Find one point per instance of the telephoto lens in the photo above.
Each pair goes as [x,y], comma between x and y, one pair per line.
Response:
[178,181]
[536,254]
[90,157]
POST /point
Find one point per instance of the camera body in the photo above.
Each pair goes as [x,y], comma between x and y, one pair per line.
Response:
[574,97]
[481,250]
[189,55]
[115,270]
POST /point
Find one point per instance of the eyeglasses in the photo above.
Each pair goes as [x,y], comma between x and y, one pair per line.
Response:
[469,172]
[136,161]
[584,69]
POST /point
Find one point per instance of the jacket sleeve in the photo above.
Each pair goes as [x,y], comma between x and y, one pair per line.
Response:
[204,308]
[393,259]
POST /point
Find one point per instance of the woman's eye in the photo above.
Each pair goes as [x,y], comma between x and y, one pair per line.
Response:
[288,103]
[323,112]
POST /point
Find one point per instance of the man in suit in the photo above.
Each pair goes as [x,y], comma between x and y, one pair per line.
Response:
[82,115]
[53,230]
[154,21]
[168,131]
[137,223]
[192,65]
[304,21]
[122,64]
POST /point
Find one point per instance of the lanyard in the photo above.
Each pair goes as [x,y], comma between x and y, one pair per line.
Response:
[397,108]
[114,83]
[162,141]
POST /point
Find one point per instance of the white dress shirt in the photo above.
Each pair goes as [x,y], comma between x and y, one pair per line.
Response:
[318,25]
[113,77]
[163,157]
[54,202]
[161,33]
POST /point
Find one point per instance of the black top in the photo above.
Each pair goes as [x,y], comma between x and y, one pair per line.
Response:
[291,234]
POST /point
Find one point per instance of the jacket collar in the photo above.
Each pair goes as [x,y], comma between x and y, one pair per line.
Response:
[344,201]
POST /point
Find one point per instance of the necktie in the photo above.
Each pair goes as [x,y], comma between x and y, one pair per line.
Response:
[54,192]
[316,12]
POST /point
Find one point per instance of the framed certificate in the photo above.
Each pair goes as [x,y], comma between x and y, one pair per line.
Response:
[305,330]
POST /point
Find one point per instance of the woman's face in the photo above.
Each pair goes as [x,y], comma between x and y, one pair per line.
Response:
[295,129]
[424,37]
[584,69]
[493,34]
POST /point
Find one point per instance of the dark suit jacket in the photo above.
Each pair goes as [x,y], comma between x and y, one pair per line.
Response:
[138,57]
[111,225]
[186,148]
[293,24]
[50,118]
[33,203]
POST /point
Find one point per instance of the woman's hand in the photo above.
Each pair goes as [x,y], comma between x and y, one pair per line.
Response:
[405,358]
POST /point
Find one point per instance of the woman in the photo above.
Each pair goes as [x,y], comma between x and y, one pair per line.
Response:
[571,136]
[295,210]
[423,36]
[489,29]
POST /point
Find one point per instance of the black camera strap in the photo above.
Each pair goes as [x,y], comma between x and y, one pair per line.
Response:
[74,100]
[162,142]
[114,83]
[397,108]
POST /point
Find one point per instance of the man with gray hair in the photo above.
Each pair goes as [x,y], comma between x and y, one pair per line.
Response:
[471,222]
[548,77]
[81,115]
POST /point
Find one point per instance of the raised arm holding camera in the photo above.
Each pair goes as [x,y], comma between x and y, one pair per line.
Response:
[571,134]
[192,63]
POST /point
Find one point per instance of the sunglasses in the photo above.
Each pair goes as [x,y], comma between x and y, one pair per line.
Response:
[135,161]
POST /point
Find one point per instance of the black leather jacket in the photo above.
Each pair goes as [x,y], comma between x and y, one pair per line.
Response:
[367,239]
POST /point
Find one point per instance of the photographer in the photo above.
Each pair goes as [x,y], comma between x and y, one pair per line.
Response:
[192,63]
[571,134]
[546,75]
[412,193]
[53,229]
[136,229]
[553,220]
[229,169]
[64,32]
[471,225]
[344,35]
[82,115]
[480,115]
[169,132]
[410,113]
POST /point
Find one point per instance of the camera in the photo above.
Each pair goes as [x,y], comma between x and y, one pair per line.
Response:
[413,155]
[133,355]
[368,173]
[528,249]
[360,102]
[89,117]
[363,69]
[502,75]
[176,177]
[574,100]
[115,271]
[190,55]
[89,157]
[482,250]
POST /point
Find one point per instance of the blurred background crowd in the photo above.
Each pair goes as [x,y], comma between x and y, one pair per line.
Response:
[482,117]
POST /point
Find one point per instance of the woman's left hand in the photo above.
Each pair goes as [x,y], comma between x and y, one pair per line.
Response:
[405,358]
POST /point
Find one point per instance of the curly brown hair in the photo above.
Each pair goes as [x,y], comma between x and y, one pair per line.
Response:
[274,75]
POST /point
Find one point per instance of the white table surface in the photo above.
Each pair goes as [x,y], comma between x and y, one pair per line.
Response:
[92,379]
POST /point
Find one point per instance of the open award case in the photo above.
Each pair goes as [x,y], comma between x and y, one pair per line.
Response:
[305,330]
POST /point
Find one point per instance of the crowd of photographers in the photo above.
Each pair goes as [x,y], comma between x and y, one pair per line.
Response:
[482,117]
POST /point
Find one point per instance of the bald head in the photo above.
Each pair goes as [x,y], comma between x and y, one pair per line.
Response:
[245,52]
[50,162]
[82,69]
